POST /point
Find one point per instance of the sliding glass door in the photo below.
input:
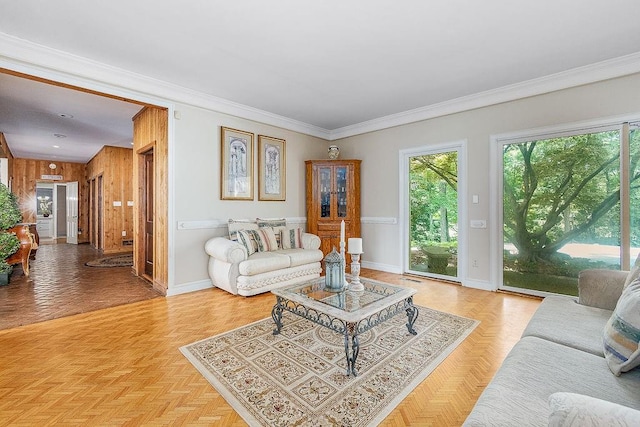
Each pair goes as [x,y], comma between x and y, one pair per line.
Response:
[568,204]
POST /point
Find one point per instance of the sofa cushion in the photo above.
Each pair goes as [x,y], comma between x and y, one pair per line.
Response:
[302,256]
[622,332]
[247,238]
[578,410]
[564,321]
[262,262]
[291,238]
[240,224]
[534,370]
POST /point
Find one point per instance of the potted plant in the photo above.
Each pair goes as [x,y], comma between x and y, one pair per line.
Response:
[9,216]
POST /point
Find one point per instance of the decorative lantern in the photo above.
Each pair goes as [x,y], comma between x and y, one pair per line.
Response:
[334,272]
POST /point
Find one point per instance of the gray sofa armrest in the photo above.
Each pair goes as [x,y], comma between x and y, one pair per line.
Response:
[600,288]
[310,241]
[225,250]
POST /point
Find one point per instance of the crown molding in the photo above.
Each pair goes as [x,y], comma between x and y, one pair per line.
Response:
[41,61]
[44,62]
[617,67]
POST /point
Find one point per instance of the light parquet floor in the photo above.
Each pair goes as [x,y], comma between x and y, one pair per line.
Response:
[121,366]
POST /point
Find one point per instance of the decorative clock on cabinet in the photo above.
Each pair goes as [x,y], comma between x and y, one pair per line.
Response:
[333,195]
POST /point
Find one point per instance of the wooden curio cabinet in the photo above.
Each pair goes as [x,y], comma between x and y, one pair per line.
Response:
[333,195]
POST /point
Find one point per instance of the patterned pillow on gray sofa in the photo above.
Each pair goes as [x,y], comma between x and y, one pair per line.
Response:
[622,332]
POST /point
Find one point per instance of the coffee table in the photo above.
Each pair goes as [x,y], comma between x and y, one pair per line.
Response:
[348,312]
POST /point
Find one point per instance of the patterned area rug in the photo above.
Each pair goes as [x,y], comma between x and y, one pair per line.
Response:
[125,260]
[298,377]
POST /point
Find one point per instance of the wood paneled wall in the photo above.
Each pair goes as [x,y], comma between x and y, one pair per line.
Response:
[25,173]
[150,130]
[115,164]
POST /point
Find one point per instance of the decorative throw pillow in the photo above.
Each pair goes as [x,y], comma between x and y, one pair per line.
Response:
[622,332]
[291,238]
[247,239]
[634,273]
[236,225]
[278,224]
[266,239]
[577,410]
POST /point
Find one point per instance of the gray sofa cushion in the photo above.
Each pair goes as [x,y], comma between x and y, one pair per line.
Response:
[534,370]
[564,321]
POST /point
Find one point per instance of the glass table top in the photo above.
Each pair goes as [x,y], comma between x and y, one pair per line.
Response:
[375,295]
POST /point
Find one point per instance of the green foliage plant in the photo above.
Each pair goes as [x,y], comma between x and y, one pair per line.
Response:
[9,216]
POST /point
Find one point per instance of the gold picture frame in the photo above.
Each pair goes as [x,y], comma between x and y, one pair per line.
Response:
[272,161]
[236,180]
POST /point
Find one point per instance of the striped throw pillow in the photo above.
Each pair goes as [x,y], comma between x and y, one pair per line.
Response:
[247,239]
[622,332]
[236,225]
[291,238]
[278,224]
[266,239]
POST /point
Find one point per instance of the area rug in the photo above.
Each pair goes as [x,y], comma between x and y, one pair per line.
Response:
[298,377]
[125,260]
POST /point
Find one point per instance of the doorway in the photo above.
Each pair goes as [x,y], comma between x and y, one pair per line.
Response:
[148,212]
[432,210]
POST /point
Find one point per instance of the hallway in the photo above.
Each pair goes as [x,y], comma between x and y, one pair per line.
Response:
[60,284]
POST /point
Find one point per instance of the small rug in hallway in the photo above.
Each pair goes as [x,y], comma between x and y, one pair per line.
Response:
[298,377]
[125,260]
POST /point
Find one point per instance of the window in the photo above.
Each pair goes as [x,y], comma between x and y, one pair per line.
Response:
[568,201]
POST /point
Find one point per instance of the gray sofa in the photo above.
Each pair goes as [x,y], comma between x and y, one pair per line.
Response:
[561,356]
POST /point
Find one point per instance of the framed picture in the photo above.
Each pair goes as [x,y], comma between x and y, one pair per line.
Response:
[272,162]
[237,164]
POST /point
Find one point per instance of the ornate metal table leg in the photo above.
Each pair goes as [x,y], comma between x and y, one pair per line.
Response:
[276,314]
[355,350]
[412,315]
[350,331]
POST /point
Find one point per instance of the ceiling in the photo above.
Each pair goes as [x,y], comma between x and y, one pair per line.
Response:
[329,65]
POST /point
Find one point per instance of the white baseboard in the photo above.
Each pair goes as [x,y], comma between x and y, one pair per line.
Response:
[387,268]
[184,288]
[479,284]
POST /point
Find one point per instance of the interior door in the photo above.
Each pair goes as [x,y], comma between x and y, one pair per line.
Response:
[72,212]
[99,212]
[148,213]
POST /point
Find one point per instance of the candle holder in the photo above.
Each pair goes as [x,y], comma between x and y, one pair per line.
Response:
[355,285]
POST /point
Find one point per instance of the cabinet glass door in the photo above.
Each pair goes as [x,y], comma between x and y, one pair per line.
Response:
[341,190]
[325,192]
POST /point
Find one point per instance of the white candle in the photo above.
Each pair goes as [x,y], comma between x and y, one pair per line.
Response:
[355,245]
[342,231]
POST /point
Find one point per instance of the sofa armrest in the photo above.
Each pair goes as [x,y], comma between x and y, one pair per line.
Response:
[225,250]
[310,241]
[600,288]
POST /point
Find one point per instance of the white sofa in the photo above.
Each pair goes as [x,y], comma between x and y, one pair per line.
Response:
[232,268]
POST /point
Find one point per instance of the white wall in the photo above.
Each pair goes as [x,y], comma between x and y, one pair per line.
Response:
[196,166]
[379,152]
